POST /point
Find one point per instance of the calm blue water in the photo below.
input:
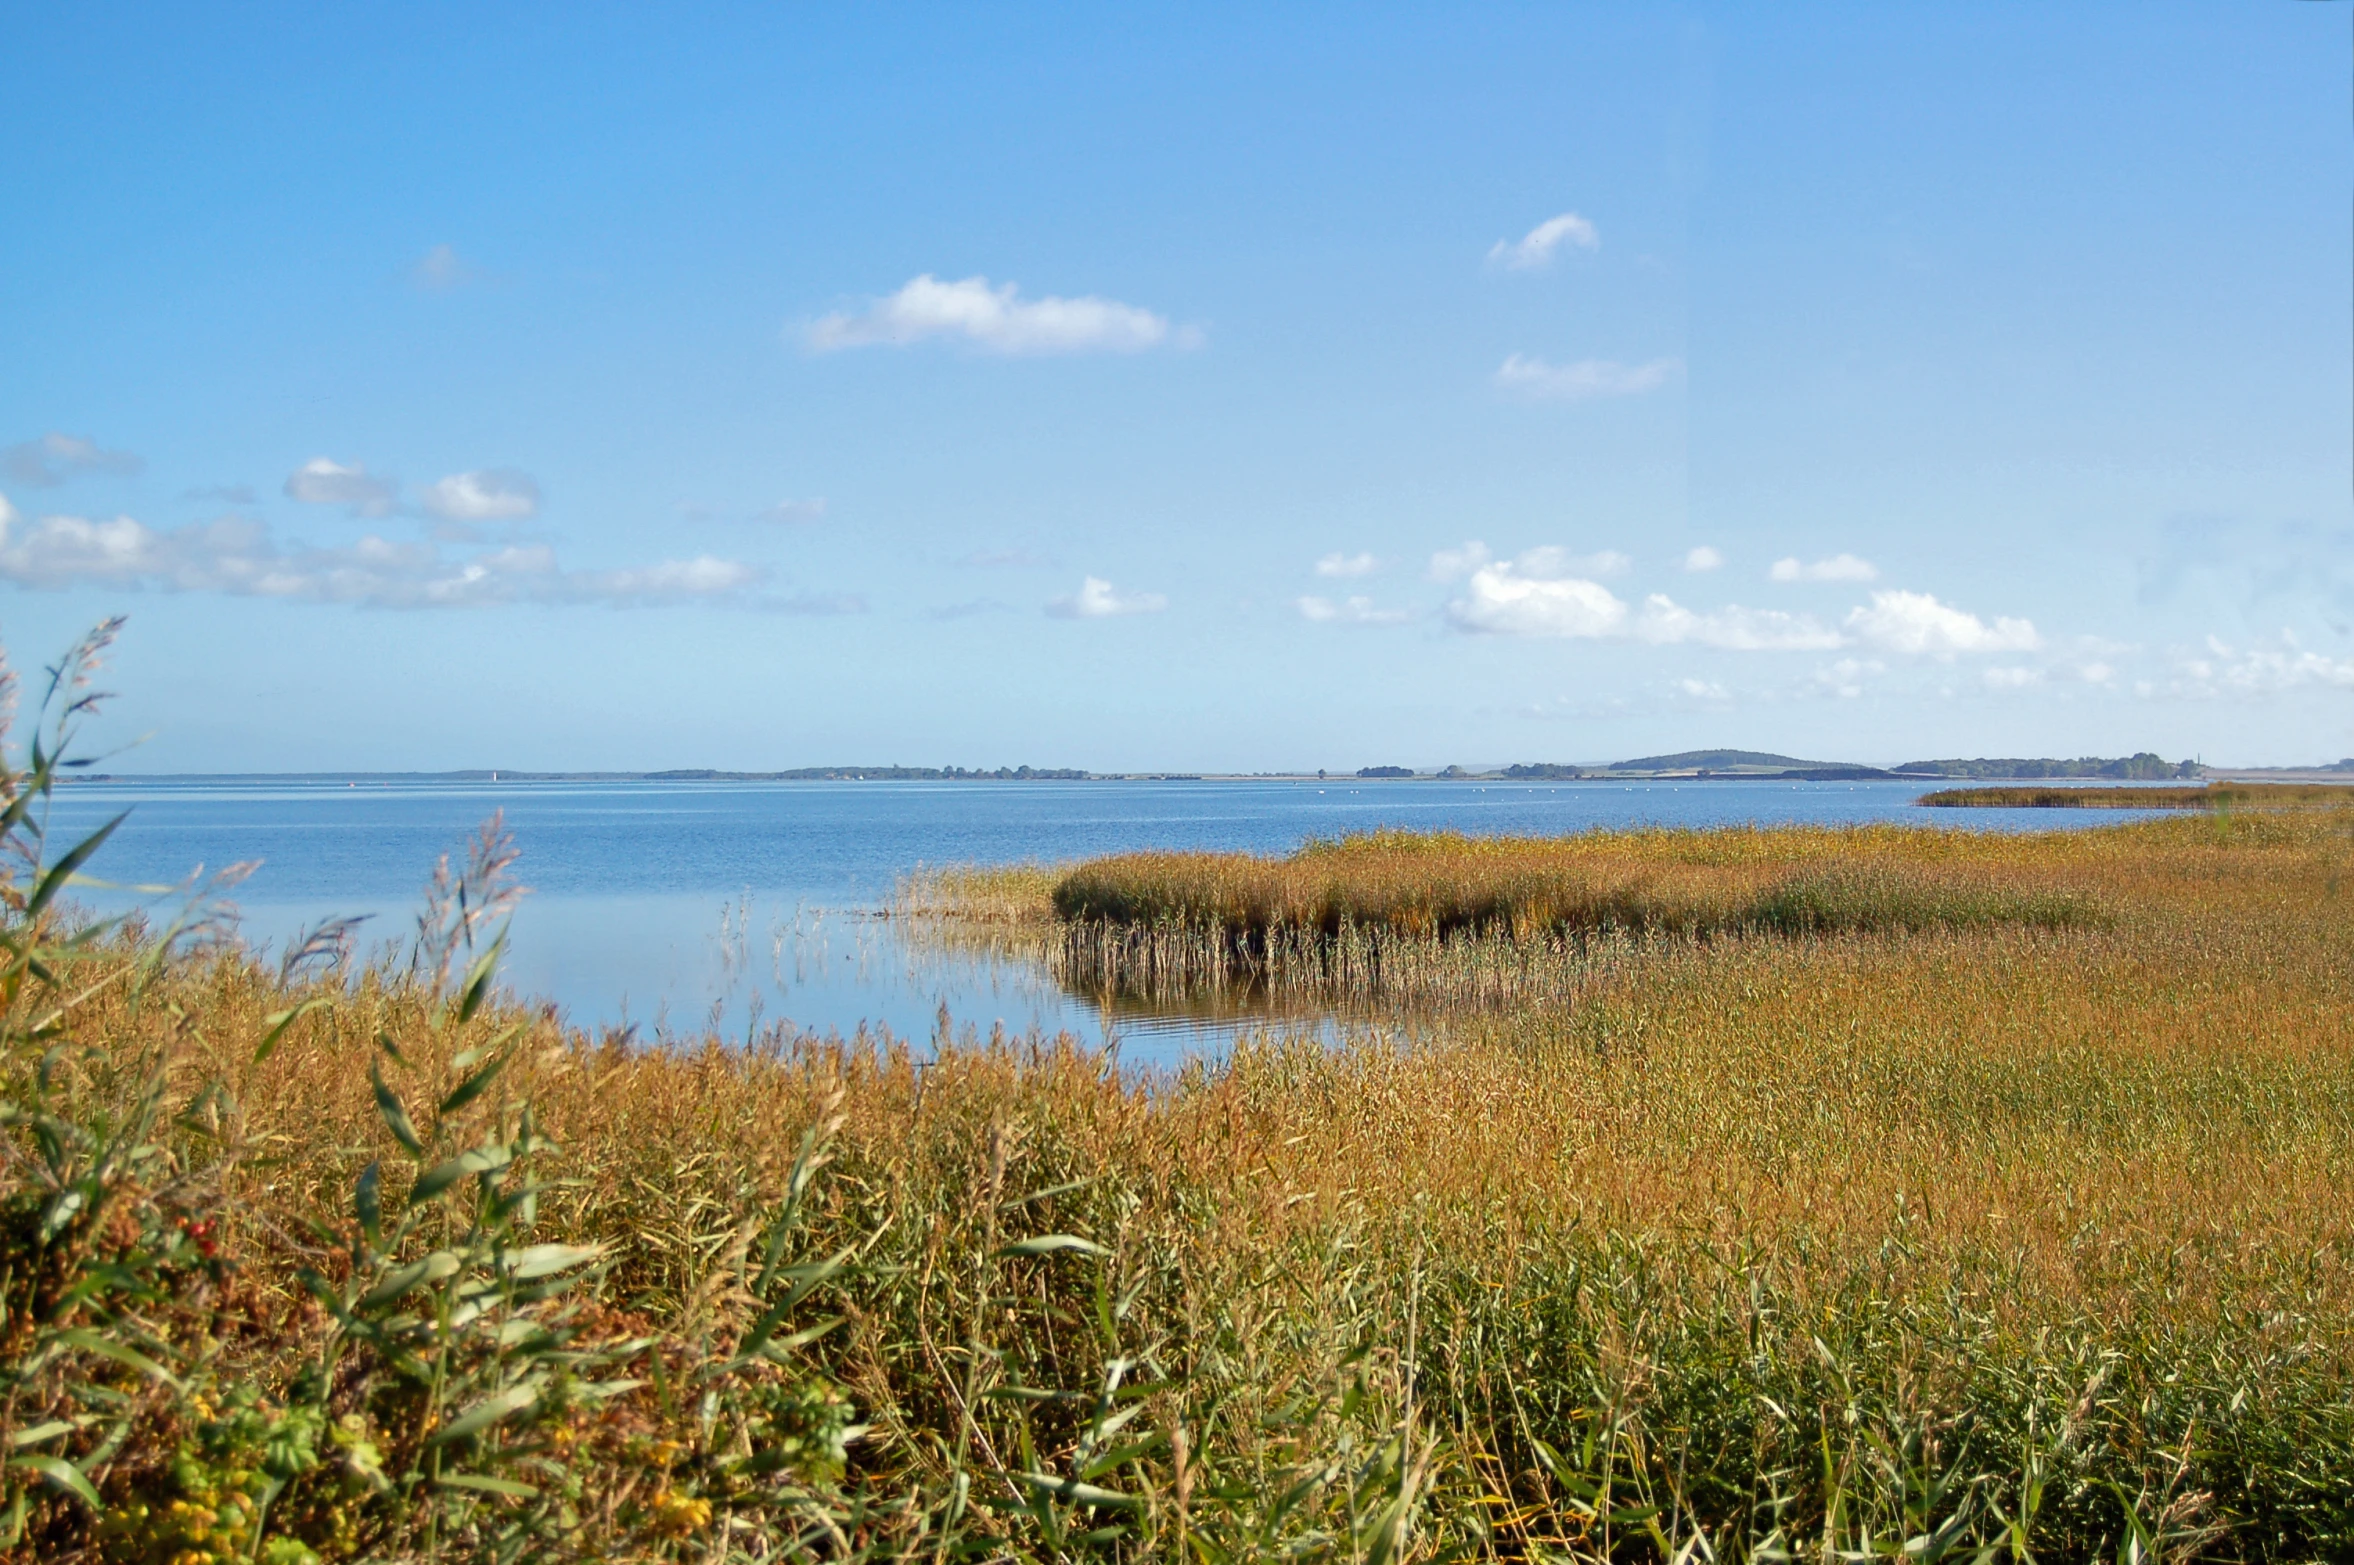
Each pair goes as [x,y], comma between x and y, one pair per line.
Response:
[682,905]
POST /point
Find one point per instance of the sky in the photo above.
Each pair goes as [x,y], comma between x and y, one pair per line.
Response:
[1202,388]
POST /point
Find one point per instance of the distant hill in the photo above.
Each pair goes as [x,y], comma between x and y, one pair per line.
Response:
[1718,760]
[1731,765]
[2144,767]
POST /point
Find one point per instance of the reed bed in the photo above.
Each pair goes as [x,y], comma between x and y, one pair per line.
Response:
[1695,884]
[1984,1239]
[2027,1238]
[2208,797]
[1442,921]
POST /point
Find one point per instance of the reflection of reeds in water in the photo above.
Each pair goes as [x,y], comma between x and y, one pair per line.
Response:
[1209,972]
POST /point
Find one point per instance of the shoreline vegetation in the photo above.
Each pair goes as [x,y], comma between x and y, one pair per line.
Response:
[1839,1192]
[1691,765]
[2211,796]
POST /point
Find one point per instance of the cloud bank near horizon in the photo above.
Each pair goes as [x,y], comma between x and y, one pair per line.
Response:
[1550,593]
[237,556]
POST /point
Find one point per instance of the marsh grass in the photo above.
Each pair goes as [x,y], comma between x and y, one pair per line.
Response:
[2210,796]
[1850,1237]
[1439,922]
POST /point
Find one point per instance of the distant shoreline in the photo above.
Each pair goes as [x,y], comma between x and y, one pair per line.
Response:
[1550,775]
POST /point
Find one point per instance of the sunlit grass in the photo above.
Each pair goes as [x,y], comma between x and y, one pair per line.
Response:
[2210,796]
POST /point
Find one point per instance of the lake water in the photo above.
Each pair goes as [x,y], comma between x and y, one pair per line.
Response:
[677,906]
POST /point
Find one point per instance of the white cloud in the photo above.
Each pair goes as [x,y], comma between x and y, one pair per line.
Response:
[54,458]
[1351,611]
[323,482]
[1339,564]
[1097,599]
[236,556]
[1584,380]
[1546,560]
[998,320]
[794,511]
[1734,629]
[1703,558]
[1705,692]
[494,494]
[2226,670]
[1535,249]
[1498,600]
[1915,622]
[2011,678]
[1549,592]
[1839,567]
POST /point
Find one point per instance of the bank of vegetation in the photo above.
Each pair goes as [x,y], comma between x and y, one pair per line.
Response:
[1981,1235]
[2144,766]
[2211,796]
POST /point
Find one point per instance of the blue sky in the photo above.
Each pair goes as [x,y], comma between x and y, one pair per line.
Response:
[1216,387]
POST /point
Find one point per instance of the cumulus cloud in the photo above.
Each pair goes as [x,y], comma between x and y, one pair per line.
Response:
[1584,380]
[997,319]
[237,556]
[1351,611]
[1097,599]
[494,494]
[1703,558]
[2226,670]
[322,481]
[54,458]
[1916,623]
[1339,564]
[1499,600]
[790,511]
[1535,248]
[1839,567]
[1548,592]
[2011,678]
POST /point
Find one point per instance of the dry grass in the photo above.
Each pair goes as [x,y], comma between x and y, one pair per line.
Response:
[1665,882]
[1719,1234]
[2259,796]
